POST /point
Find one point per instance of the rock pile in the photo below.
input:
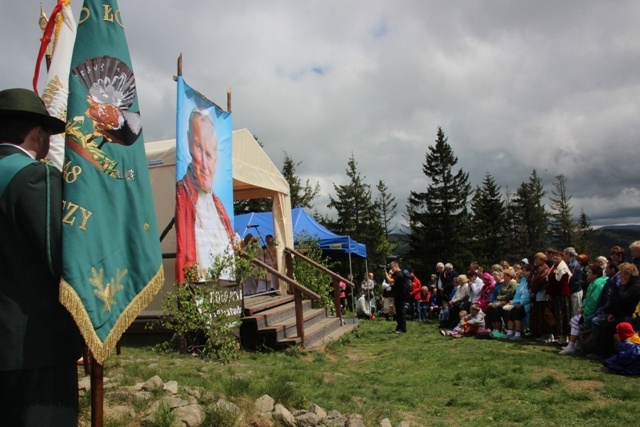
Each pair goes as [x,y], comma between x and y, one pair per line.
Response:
[187,408]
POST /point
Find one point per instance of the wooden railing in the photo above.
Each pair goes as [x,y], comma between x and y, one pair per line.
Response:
[298,291]
[290,253]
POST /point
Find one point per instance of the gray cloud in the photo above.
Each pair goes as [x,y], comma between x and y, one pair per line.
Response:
[515,85]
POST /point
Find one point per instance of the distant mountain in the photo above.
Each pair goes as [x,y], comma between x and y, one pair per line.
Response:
[611,235]
[620,227]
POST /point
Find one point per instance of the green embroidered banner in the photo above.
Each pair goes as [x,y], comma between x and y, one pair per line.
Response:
[112,263]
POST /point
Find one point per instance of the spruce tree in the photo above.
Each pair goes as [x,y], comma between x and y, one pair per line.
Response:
[358,214]
[531,220]
[439,215]
[488,222]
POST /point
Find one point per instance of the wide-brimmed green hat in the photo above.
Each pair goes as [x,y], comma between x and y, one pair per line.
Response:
[25,103]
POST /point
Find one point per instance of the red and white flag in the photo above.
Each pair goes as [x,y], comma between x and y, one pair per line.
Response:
[62,27]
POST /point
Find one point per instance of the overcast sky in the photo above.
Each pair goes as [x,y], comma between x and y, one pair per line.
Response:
[515,85]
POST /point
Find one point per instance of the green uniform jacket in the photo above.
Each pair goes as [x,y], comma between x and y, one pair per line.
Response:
[35,329]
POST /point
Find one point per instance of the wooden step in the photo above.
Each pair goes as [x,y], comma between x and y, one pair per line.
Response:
[258,303]
[329,337]
[271,316]
[320,333]
[286,327]
[270,321]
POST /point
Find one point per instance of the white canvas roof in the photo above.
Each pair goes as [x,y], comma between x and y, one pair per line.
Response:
[254,176]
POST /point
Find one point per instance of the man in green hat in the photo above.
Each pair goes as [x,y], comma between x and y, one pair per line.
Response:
[40,343]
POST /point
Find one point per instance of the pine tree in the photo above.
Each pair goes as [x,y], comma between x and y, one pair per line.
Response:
[562,228]
[301,194]
[439,216]
[488,222]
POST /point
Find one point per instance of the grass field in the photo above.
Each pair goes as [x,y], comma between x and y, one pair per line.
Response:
[419,376]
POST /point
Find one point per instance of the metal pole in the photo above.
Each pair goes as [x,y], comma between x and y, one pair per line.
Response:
[353,291]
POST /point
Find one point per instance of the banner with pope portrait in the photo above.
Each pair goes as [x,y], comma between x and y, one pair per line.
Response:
[204,185]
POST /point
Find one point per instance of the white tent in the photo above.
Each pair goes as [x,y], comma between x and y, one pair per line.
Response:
[254,176]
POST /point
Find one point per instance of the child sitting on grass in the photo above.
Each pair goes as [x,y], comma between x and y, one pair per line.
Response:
[626,360]
[475,321]
[460,328]
[469,325]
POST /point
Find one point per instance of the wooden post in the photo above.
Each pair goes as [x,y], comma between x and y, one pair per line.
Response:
[288,262]
[229,99]
[86,360]
[297,297]
[97,393]
[336,298]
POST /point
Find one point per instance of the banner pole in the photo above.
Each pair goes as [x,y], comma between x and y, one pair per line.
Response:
[97,393]
[42,22]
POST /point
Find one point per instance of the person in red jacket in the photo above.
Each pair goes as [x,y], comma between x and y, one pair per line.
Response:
[416,286]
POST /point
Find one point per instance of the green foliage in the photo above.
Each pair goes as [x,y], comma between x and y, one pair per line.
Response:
[311,277]
[196,313]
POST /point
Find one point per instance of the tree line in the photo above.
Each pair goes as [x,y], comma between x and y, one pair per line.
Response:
[448,220]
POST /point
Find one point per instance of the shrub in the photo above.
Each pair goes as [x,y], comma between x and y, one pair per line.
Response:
[311,277]
[197,314]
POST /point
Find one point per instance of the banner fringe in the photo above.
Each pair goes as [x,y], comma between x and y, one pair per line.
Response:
[101,350]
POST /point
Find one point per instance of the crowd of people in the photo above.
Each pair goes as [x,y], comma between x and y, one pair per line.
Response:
[557,297]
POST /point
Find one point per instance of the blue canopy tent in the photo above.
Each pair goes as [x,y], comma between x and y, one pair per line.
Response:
[332,244]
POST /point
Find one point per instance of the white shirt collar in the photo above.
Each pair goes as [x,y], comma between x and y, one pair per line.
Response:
[19,147]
